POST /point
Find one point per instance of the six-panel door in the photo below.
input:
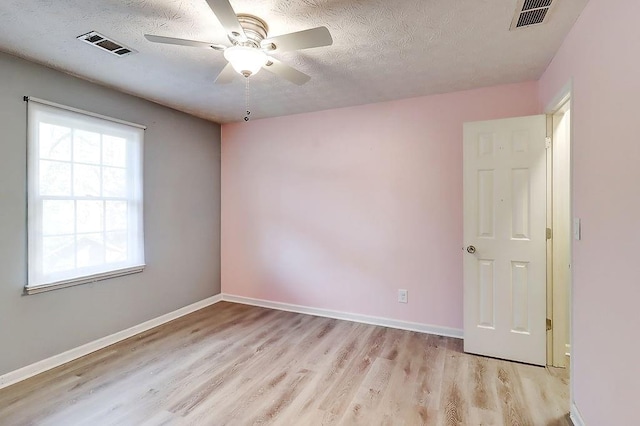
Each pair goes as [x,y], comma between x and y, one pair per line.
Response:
[505,221]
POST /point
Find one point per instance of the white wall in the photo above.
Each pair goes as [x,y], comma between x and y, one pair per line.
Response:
[181,212]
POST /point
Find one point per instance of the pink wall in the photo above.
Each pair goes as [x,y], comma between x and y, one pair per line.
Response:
[339,209]
[601,55]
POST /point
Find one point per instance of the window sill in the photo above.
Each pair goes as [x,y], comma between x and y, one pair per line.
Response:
[29,290]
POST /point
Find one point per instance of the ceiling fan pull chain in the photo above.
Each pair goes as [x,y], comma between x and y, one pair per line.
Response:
[246,97]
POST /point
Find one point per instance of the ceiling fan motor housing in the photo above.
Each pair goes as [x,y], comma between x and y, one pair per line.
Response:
[255,29]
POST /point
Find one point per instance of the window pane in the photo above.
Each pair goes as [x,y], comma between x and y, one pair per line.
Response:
[55,178]
[90,250]
[116,219]
[58,217]
[89,216]
[86,147]
[86,180]
[114,181]
[84,195]
[58,254]
[55,142]
[116,247]
[114,151]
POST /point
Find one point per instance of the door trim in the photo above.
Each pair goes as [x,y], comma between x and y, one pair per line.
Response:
[564,95]
[560,99]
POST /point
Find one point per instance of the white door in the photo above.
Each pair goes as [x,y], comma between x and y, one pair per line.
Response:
[505,239]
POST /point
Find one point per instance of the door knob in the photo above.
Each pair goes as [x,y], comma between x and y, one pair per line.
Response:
[471,249]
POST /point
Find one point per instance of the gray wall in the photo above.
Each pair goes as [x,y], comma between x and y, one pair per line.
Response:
[181,214]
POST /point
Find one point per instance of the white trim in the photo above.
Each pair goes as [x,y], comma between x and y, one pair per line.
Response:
[57,360]
[575,416]
[81,111]
[347,316]
[560,99]
[566,94]
[35,289]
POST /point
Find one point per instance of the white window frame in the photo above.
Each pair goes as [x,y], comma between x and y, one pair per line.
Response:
[38,111]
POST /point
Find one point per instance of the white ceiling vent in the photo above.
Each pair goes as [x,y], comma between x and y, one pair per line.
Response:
[105,43]
[531,12]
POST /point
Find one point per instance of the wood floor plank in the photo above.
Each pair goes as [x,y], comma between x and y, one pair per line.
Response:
[370,393]
[455,399]
[396,402]
[511,394]
[231,364]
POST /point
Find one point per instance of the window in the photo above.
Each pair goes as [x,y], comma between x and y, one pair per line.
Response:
[84,197]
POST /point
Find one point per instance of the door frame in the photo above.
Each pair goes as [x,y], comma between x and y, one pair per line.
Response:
[559,245]
[559,101]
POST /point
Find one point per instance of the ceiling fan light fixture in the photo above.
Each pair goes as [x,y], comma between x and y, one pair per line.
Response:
[245,60]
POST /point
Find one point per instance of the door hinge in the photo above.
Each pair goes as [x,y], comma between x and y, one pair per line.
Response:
[547,142]
[549,234]
[549,324]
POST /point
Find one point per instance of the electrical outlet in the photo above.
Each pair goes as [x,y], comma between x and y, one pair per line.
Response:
[403,296]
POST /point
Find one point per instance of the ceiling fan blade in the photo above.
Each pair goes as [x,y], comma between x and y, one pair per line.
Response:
[226,75]
[306,39]
[183,42]
[228,19]
[287,72]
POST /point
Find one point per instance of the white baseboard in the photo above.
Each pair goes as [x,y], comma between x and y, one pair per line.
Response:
[366,319]
[576,418]
[57,360]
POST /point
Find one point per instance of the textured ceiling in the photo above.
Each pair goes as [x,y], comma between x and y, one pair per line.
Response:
[382,49]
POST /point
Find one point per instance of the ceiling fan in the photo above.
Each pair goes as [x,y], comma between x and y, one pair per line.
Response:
[251,46]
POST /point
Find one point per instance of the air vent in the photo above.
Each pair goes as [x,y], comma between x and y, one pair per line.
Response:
[531,12]
[105,43]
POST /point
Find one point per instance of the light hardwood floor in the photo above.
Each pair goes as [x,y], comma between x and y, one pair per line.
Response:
[232,364]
